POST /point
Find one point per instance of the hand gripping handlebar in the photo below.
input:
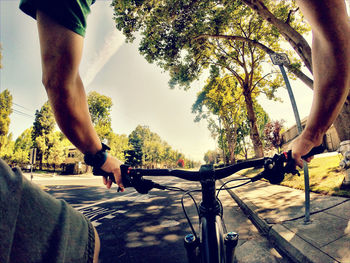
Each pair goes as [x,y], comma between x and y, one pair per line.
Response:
[274,170]
[276,167]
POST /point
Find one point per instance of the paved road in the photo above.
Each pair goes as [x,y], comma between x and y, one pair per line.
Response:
[138,228]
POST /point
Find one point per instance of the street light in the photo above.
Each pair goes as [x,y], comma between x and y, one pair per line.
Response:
[281,59]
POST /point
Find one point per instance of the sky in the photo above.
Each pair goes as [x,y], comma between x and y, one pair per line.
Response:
[139,90]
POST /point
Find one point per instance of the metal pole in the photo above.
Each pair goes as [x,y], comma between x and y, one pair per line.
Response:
[300,129]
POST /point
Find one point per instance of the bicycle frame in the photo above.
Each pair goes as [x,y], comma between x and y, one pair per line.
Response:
[214,248]
[212,227]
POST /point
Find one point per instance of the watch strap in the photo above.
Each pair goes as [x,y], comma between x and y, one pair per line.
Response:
[97,159]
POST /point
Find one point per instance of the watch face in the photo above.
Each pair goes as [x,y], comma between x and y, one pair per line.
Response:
[98,159]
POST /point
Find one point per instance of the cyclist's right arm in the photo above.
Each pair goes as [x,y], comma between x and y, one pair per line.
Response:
[331,69]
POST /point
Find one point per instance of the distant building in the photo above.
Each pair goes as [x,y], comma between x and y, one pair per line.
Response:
[330,140]
[74,162]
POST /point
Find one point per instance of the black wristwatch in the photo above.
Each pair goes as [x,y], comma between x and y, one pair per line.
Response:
[97,159]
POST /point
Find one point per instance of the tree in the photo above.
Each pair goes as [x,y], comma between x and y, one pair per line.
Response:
[224,99]
[44,122]
[146,148]
[211,157]
[6,150]
[5,112]
[119,144]
[273,135]
[243,146]
[22,147]
[56,149]
[24,141]
[100,110]
[20,156]
[180,40]
[43,126]
[134,156]
[282,23]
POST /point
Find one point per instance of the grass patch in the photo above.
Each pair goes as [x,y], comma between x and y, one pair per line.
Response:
[325,176]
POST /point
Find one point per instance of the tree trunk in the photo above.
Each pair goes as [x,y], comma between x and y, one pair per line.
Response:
[303,49]
[298,73]
[296,40]
[254,133]
[231,142]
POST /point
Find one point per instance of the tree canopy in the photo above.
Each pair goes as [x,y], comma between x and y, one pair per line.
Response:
[5,112]
[100,107]
[185,38]
[148,149]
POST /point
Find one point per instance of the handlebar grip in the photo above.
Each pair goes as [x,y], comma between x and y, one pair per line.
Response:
[99,172]
[314,151]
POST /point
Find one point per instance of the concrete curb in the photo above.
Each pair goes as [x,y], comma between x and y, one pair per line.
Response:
[284,240]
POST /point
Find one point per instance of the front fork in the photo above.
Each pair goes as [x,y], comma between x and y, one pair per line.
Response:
[192,244]
[209,206]
[231,241]
[192,247]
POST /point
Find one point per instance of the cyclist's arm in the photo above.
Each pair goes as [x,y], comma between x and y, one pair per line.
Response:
[331,69]
[61,51]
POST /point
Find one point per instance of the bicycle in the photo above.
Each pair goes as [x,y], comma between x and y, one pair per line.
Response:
[214,244]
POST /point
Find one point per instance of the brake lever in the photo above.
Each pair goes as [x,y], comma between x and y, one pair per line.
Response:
[290,166]
[131,178]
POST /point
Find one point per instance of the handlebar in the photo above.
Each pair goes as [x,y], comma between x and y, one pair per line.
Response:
[274,170]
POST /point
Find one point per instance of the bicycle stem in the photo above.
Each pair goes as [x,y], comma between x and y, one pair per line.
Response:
[209,205]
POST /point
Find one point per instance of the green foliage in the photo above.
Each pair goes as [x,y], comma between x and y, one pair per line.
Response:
[24,141]
[100,107]
[136,141]
[22,147]
[44,122]
[186,38]
[243,146]
[6,144]
[57,149]
[5,111]
[43,126]
[222,99]
[119,144]
[273,134]
[6,148]
[211,157]
[149,150]
[20,156]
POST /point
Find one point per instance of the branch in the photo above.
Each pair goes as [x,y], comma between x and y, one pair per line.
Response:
[238,38]
[296,40]
[299,74]
[262,78]
[290,14]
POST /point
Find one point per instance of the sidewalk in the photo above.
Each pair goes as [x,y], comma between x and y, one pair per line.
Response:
[278,212]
